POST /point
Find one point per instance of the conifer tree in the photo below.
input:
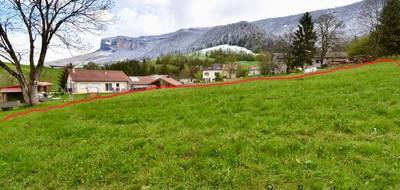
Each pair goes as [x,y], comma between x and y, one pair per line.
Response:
[389,27]
[63,77]
[304,41]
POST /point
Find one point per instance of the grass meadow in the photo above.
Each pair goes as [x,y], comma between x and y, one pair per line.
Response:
[48,75]
[339,130]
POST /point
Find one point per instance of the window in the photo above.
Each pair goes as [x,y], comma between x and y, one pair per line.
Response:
[109,87]
[206,74]
[117,88]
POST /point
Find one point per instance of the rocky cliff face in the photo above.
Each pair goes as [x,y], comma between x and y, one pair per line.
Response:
[250,35]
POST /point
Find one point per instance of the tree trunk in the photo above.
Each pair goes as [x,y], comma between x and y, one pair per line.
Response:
[33,95]
[322,61]
[30,94]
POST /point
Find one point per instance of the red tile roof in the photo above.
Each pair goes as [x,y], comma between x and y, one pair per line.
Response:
[17,89]
[253,68]
[149,80]
[82,75]
[172,81]
[11,89]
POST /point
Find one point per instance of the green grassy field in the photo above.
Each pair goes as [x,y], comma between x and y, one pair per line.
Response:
[339,130]
[48,74]
[249,63]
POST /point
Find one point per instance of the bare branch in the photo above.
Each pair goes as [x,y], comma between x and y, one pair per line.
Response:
[9,70]
[41,21]
[328,30]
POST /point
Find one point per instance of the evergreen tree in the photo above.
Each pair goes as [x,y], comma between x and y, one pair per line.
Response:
[304,42]
[389,27]
[62,79]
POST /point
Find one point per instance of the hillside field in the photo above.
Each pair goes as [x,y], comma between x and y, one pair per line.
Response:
[48,74]
[338,130]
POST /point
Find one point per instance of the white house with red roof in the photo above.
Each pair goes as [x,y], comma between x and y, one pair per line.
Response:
[254,71]
[81,81]
[221,71]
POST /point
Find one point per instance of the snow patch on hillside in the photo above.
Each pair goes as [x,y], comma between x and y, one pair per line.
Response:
[227,48]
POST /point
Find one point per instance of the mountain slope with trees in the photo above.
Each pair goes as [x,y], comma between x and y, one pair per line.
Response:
[246,34]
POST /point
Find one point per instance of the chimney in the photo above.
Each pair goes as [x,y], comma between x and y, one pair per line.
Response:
[73,69]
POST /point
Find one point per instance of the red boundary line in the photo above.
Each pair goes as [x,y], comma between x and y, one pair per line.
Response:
[72,103]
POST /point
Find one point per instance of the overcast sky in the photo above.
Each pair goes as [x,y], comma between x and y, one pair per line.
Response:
[151,17]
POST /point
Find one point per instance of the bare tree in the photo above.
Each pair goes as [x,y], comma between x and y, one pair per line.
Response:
[265,63]
[328,31]
[370,13]
[285,47]
[41,22]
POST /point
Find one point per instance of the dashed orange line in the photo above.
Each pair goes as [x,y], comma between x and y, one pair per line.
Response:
[72,103]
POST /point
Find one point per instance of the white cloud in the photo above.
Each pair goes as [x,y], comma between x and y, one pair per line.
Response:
[151,17]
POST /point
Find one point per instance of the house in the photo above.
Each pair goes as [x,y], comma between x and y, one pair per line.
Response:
[81,81]
[229,71]
[332,58]
[254,71]
[220,71]
[311,69]
[156,81]
[14,93]
[280,66]
[212,73]
[188,81]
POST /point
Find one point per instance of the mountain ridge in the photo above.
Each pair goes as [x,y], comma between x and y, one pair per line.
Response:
[250,35]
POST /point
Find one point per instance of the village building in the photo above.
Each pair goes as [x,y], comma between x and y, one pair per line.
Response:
[229,71]
[212,73]
[14,93]
[81,81]
[254,71]
[220,71]
[153,81]
[311,69]
[188,81]
[280,66]
[331,58]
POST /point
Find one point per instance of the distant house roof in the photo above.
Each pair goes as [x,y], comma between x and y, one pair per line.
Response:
[336,55]
[229,67]
[278,55]
[18,89]
[44,84]
[254,68]
[152,79]
[11,89]
[146,80]
[311,67]
[215,67]
[82,75]
[172,81]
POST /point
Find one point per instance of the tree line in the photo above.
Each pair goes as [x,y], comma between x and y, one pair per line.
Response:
[178,65]
[313,38]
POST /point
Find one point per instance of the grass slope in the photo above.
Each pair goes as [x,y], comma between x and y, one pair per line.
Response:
[48,74]
[341,130]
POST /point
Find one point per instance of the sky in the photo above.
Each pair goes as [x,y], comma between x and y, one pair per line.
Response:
[151,17]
